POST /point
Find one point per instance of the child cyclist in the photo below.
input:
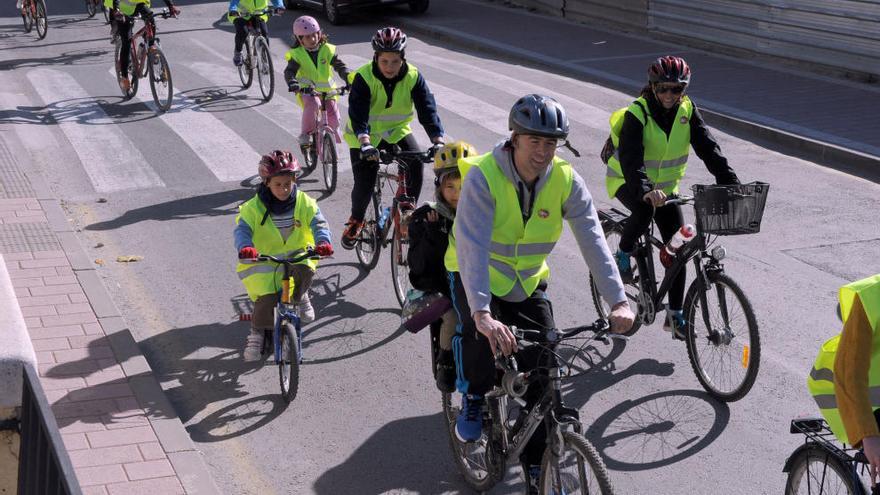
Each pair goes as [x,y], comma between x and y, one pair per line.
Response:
[308,64]
[278,220]
[241,12]
[429,229]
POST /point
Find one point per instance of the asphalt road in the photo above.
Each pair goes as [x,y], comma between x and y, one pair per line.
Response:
[367,419]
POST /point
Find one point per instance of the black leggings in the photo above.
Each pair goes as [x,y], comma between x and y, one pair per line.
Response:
[365,175]
[241,23]
[124,29]
[668,219]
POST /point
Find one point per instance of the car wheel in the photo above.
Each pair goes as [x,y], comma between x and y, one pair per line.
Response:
[331,12]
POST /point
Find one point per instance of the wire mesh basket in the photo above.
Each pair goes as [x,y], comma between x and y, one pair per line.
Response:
[730,210]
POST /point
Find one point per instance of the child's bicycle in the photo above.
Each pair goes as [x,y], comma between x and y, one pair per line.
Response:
[256,56]
[33,12]
[570,464]
[821,467]
[285,341]
[322,141]
[722,333]
[143,43]
[379,220]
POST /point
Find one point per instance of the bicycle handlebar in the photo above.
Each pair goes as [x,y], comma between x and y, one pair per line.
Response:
[298,256]
[312,91]
[386,156]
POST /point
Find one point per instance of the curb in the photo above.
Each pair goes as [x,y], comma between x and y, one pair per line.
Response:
[834,156]
[187,461]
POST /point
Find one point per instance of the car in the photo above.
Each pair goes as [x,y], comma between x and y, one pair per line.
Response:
[335,10]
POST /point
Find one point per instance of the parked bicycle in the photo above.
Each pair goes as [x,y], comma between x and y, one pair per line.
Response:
[379,219]
[285,340]
[821,466]
[570,464]
[144,43]
[722,333]
[33,12]
[256,56]
[322,141]
[92,7]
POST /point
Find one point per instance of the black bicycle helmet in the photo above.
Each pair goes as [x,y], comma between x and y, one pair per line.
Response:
[539,115]
[669,69]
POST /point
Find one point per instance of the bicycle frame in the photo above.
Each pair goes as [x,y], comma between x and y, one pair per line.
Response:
[322,126]
[400,196]
[139,58]
[284,310]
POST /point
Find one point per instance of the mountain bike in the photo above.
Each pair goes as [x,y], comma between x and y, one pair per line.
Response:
[821,467]
[92,7]
[256,56]
[145,48]
[34,12]
[570,464]
[722,338]
[379,220]
[322,141]
[285,341]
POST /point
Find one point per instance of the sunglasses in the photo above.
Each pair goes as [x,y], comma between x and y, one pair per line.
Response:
[677,89]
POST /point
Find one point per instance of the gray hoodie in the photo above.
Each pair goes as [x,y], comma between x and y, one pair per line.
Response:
[473,232]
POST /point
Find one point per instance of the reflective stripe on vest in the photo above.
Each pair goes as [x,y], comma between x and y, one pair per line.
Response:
[265,278]
[665,157]
[389,124]
[308,73]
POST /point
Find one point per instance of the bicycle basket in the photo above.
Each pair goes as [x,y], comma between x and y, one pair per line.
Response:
[730,210]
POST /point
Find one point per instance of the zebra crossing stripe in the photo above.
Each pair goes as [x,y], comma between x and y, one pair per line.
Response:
[111,160]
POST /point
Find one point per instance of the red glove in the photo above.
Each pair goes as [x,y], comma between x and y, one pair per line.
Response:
[247,252]
[324,249]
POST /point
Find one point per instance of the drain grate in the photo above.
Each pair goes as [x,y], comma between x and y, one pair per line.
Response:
[27,237]
[13,183]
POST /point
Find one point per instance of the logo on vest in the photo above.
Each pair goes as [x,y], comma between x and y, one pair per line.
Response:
[683,119]
[297,224]
[543,213]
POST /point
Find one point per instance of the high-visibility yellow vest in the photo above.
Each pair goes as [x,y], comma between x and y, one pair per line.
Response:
[246,8]
[127,6]
[265,278]
[387,123]
[519,250]
[665,156]
[318,75]
[821,379]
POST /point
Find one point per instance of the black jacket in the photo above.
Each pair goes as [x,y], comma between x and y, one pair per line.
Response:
[427,247]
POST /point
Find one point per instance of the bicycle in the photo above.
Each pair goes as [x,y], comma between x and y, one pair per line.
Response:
[570,463]
[712,340]
[285,340]
[819,466]
[374,235]
[256,47]
[92,9]
[322,141]
[158,69]
[33,12]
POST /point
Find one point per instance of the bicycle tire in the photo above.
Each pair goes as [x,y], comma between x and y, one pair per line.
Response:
[163,100]
[288,368]
[804,480]
[132,72]
[603,309]
[264,68]
[42,22]
[749,353]
[106,12]
[91,8]
[27,18]
[399,267]
[246,69]
[368,244]
[591,473]
[330,163]
[481,466]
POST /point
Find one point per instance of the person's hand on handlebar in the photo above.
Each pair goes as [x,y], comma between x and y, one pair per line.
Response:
[369,152]
[621,318]
[324,249]
[871,446]
[500,338]
[655,198]
[248,252]
[174,10]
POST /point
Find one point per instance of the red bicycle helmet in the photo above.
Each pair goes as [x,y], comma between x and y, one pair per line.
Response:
[276,163]
[389,39]
[669,69]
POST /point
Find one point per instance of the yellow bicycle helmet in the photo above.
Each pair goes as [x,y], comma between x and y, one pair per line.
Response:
[447,157]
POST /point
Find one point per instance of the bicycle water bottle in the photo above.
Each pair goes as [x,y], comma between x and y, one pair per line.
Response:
[684,234]
[383,218]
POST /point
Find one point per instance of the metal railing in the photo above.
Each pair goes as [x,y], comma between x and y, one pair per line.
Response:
[44,466]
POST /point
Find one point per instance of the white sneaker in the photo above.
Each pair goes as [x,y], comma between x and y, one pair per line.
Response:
[253,347]
[305,310]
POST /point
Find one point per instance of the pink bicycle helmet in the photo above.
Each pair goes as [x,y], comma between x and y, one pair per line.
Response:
[305,25]
[276,163]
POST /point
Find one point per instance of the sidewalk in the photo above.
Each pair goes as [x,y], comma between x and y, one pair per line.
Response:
[121,433]
[821,118]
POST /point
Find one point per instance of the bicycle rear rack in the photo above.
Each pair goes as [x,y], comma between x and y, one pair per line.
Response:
[817,430]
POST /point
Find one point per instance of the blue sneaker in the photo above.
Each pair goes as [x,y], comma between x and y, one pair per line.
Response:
[675,324]
[624,266]
[469,425]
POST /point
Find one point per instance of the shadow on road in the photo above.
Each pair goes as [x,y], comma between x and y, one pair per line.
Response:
[73,57]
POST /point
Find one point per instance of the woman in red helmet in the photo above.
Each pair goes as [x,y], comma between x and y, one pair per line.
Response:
[658,130]
[279,219]
[384,94]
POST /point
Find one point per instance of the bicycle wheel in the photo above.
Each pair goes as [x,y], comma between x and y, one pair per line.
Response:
[399,266]
[246,69]
[368,244]
[576,470]
[132,72]
[603,308]
[41,21]
[723,343]
[91,8]
[106,12]
[481,465]
[26,17]
[815,471]
[265,71]
[329,162]
[288,368]
[160,79]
